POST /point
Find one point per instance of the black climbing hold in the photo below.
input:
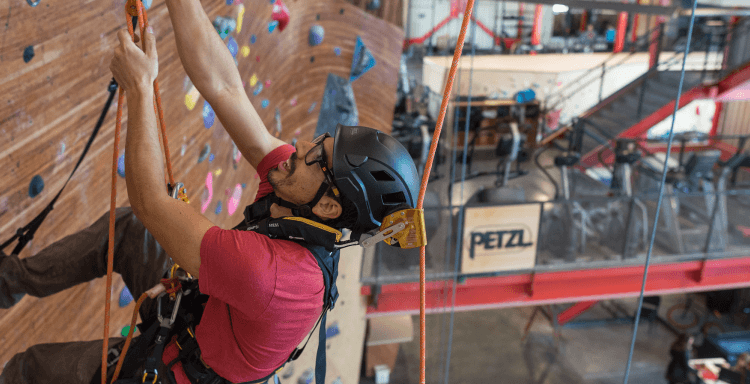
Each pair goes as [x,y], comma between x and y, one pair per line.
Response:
[36,186]
[312,59]
[341,11]
[317,17]
[28,53]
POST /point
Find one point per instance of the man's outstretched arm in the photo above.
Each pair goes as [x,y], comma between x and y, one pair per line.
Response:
[211,68]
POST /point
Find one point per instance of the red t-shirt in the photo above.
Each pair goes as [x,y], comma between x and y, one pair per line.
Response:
[272,288]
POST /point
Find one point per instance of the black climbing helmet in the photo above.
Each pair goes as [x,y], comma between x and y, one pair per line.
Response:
[375,172]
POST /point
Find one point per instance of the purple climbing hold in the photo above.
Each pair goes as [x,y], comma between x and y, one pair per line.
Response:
[232,45]
[337,50]
[218,207]
[121,165]
[316,35]
[252,39]
[36,186]
[125,297]
[230,2]
[208,115]
[272,25]
[264,103]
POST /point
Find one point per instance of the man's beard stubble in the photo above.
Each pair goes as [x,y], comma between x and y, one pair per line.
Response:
[283,181]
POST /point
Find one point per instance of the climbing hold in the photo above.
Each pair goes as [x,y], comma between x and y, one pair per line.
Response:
[28,53]
[61,152]
[191,99]
[272,25]
[332,330]
[227,191]
[312,59]
[280,14]
[297,131]
[230,2]
[232,45]
[217,172]
[210,157]
[264,103]
[244,185]
[36,186]
[273,1]
[245,51]
[208,115]
[294,141]
[316,34]
[277,118]
[258,89]
[224,26]
[253,80]
[146,4]
[125,297]
[257,58]
[341,11]
[362,62]
[317,17]
[373,5]
[121,165]
[268,83]
[312,108]
[240,17]
[337,51]
[208,194]
[218,207]
[236,154]
[234,201]
[252,39]
[204,153]
[182,150]
[293,102]
[125,330]
[338,105]
[34,3]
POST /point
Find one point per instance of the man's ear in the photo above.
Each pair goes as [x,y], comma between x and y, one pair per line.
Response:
[327,208]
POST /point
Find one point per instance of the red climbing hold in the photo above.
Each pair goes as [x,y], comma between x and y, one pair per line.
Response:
[280,14]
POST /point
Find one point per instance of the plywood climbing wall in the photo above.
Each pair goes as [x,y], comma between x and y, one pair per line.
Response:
[54,73]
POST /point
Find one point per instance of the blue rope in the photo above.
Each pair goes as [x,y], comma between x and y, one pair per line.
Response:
[461,211]
[661,193]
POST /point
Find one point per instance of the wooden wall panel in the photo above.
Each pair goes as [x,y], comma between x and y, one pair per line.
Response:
[50,105]
[734,120]
[390,10]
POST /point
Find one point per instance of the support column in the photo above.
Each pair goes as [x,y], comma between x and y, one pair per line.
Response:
[536,32]
[622,26]
[520,22]
[584,20]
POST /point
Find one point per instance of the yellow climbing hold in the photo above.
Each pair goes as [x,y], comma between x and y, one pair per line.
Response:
[239,17]
[245,51]
[253,80]
[192,98]
[217,172]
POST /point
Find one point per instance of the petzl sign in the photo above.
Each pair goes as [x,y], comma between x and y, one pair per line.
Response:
[500,238]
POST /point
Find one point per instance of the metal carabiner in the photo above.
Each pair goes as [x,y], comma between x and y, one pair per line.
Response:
[168,322]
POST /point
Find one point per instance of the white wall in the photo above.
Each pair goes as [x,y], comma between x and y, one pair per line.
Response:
[422,19]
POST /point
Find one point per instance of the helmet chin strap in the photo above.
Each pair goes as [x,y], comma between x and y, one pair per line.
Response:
[306,209]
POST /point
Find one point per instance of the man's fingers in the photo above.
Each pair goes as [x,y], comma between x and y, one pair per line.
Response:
[123,36]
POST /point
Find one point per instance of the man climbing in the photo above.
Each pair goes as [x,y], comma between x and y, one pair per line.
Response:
[264,292]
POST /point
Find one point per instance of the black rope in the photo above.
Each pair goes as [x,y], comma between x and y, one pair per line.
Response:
[26,233]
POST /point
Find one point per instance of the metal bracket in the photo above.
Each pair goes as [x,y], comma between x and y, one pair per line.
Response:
[386,233]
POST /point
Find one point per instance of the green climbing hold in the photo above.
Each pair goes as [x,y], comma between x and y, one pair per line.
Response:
[125,331]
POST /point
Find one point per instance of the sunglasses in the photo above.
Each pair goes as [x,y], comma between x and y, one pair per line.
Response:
[318,155]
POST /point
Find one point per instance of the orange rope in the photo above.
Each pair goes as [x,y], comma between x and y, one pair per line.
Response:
[132,8]
[426,177]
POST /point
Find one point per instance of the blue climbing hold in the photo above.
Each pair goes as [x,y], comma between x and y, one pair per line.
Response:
[125,297]
[252,39]
[208,115]
[258,89]
[147,3]
[28,53]
[362,61]
[210,157]
[264,103]
[230,2]
[316,35]
[36,186]
[244,185]
[272,25]
[337,51]
[121,165]
[204,153]
[218,207]
[332,331]
[232,45]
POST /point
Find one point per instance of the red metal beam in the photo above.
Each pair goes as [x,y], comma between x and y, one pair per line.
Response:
[486,30]
[420,40]
[573,312]
[622,26]
[562,287]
